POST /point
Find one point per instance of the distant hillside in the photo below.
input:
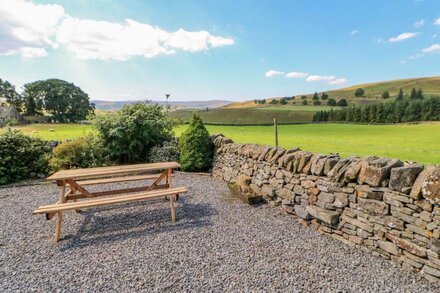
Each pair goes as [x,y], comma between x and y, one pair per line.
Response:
[373,91]
[116,105]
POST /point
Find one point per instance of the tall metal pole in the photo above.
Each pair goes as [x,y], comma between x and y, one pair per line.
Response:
[276,130]
[166,104]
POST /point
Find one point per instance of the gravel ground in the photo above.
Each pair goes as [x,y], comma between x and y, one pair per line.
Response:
[217,244]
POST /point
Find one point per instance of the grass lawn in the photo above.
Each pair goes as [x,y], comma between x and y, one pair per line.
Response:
[419,143]
[62,131]
[298,108]
[250,116]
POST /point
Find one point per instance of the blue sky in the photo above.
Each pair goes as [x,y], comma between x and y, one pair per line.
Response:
[234,50]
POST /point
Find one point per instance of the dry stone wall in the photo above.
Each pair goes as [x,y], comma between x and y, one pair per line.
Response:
[386,205]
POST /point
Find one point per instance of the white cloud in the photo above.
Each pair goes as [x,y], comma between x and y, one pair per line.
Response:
[353,32]
[330,79]
[437,21]
[419,23]
[402,37]
[296,74]
[435,48]
[24,25]
[273,73]
[29,29]
[321,78]
[338,81]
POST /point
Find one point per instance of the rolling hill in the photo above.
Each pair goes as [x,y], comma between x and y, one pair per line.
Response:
[250,113]
[117,105]
[373,91]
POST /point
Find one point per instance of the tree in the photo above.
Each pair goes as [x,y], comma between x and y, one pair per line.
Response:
[129,134]
[413,94]
[331,102]
[305,103]
[324,96]
[303,97]
[385,95]
[274,102]
[283,101]
[316,102]
[196,147]
[419,94]
[359,92]
[400,96]
[64,100]
[342,103]
[10,95]
[315,96]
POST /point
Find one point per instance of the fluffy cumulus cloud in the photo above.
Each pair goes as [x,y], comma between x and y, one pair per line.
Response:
[402,37]
[435,48]
[330,79]
[437,21]
[27,28]
[31,28]
[296,74]
[273,73]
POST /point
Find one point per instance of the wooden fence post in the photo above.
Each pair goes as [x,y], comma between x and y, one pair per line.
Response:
[276,131]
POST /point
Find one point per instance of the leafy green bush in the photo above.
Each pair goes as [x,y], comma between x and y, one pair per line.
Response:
[196,147]
[168,152]
[79,153]
[129,134]
[22,157]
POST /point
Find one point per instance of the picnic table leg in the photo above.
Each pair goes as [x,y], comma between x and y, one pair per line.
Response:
[59,214]
[173,210]
[73,191]
[168,181]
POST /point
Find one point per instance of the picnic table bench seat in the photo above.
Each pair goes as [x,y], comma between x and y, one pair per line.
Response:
[74,193]
[116,179]
[59,207]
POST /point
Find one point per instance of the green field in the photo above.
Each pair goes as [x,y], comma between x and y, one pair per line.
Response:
[296,108]
[61,131]
[420,142]
[373,92]
[249,116]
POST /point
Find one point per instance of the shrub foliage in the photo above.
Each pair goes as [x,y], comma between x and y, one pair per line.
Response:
[80,153]
[129,134]
[167,152]
[22,157]
[196,147]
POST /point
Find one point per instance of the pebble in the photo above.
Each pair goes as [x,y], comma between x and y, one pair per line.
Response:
[217,244]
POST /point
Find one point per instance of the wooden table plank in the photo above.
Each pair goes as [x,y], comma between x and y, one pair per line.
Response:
[109,171]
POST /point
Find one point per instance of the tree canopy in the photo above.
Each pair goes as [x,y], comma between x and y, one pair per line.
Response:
[64,100]
[396,111]
[10,95]
[360,92]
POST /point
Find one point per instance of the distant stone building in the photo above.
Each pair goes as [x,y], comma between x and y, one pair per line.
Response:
[9,113]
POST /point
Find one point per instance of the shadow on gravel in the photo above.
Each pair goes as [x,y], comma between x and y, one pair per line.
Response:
[112,224]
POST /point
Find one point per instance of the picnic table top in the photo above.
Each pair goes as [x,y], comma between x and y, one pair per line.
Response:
[110,171]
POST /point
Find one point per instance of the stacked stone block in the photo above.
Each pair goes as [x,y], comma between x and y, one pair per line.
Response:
[386,205]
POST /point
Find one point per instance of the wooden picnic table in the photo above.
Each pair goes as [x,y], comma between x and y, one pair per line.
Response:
[74,184]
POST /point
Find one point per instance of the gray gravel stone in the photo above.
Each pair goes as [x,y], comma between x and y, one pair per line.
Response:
[217,244]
